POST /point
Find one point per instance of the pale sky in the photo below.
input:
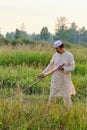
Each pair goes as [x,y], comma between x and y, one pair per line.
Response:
[35,14]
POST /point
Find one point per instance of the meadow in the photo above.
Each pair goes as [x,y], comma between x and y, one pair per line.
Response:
[19,68]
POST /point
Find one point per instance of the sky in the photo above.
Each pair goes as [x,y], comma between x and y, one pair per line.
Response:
[35,14]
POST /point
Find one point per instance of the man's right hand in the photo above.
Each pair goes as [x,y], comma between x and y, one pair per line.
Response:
[41,76]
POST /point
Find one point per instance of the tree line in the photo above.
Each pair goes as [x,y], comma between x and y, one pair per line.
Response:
[63,30]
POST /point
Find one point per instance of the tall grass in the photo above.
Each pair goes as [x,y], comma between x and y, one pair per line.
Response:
[19,68]
[19,116]
[37,56]
[24,76]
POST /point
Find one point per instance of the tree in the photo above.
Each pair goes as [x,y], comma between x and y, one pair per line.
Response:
[17,34]
[1,36]
[20,34]
[74,37]
[61,28]
[35,36]
[22,28]
[61,23]
[44,34]
[82,35]
[10,35]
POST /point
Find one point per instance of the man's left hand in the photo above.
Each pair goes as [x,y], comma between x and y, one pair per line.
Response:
[60,68]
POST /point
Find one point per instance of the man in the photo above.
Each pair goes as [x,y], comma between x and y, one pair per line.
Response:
[61,83]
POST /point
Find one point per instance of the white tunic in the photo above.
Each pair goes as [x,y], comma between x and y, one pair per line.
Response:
[61,83]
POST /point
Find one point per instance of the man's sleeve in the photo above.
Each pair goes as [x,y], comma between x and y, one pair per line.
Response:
[71,66]
[49,68]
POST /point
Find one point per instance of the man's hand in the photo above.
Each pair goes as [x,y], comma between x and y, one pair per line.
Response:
[61,67]
[41,76]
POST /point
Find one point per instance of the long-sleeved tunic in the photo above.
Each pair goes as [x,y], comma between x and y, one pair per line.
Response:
[61,83]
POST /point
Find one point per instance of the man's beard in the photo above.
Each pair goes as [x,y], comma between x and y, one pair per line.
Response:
[58,52]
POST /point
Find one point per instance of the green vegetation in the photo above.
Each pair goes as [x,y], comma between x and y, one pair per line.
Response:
[19,68]
[71,33]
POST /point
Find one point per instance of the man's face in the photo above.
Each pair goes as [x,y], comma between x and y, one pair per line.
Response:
[58,49]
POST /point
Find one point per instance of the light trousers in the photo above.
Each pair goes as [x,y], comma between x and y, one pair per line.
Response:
[66,99]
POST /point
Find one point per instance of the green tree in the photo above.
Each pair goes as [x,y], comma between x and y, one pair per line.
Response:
[44,34]
[82,35]
[17,34]
[20,34]
[10,35]
[61,28]
[1,36]
[74,34]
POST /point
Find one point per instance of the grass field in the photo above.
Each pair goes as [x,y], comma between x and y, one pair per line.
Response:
[19,68]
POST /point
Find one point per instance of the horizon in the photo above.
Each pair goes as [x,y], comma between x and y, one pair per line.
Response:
[37,14]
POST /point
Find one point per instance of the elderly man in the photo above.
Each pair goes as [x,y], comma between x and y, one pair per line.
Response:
[61,83]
